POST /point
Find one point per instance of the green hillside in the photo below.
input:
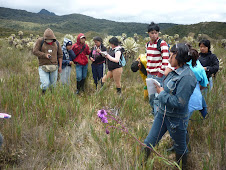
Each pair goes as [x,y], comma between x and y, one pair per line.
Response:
[74,23]
[15,20]
[216,30]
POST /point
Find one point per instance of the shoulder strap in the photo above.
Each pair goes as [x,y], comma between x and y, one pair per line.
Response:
[41,44]
[158,44]
[148,43]
[83,47]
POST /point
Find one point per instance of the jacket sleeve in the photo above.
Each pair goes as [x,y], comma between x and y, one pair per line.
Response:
[90,54]
[181,97]
[72,55]
[36,49]
[214,65]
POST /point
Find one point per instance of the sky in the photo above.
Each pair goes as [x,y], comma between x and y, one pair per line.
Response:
[142,11]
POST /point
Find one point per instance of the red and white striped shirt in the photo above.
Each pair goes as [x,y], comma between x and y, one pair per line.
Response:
[157,61]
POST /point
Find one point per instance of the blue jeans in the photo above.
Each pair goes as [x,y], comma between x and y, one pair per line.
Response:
[153,97]
[177,128]
[81,71]
[65,75]
[47,79]
[97,70]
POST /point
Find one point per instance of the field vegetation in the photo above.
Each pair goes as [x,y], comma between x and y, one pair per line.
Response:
[62,130]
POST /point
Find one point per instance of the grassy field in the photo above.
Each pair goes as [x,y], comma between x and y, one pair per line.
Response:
[61,130]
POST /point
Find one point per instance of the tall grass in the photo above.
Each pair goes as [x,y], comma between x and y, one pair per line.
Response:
[61,130]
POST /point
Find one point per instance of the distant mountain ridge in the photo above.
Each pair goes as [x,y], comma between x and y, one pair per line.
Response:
[72,23]
[46,12]
[13,19]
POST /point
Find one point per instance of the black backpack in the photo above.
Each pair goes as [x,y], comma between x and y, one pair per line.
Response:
[158,44]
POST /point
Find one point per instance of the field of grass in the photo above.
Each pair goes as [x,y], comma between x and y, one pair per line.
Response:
[61,130]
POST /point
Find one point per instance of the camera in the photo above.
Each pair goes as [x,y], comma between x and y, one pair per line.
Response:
[49,56]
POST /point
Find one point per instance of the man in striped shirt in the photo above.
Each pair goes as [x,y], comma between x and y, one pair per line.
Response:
[157,59]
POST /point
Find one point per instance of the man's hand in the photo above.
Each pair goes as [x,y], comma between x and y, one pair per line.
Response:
[60,69]
[47,56]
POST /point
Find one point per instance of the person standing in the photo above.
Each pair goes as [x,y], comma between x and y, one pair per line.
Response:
[68,57]
[97,59]
[81,49]
[50,55]
[157,58]
[172,110]
[114,68]
[209,61]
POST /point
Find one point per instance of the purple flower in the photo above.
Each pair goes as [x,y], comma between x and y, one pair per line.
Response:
[104,120]
[101,113]
[107,131]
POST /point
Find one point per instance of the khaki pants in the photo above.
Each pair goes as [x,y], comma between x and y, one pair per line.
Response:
[116,75]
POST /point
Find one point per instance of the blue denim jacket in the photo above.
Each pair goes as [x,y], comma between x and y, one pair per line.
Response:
[178,87]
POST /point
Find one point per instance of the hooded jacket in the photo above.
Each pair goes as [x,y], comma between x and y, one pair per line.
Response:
[68,55]
[42,51]
[81,57]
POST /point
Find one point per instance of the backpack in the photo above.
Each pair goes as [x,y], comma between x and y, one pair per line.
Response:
[122,60]
[43,43]
[159,46]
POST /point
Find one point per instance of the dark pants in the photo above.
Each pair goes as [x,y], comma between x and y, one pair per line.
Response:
[97,70]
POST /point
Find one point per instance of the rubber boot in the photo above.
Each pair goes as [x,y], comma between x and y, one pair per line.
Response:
[96,85]
[118,90]
[82,84]
[78,87]
[184,158]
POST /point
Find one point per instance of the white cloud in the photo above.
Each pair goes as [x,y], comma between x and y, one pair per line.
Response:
[165,11]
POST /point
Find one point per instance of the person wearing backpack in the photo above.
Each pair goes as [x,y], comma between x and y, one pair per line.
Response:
[114,67]
[68,57]
[50,55]
[157,59]
[81,49]
[97,59]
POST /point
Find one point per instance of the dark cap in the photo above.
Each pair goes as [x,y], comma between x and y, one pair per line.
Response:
[69,43]
[134,66]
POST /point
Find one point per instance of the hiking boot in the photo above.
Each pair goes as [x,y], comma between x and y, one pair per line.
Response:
[78,87]
[43,92]
[146,151]
[118,90]
[102,83]
[82,84]
[184,158]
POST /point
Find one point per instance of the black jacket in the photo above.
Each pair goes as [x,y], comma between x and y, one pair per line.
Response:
[99,59]
[210,61]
